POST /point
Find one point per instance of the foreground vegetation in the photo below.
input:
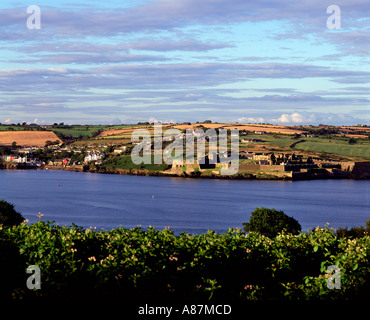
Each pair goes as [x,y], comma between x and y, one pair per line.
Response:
[156,264]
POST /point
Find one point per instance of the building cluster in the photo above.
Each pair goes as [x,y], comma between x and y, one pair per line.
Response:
[278,163]
[94,156]
[28,156]
[271,158]
[284,165]
[22,155]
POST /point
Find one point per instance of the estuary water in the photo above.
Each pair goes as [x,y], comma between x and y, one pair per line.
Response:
[191,205]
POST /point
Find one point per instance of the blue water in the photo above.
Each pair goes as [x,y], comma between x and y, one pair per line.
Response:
[191,205]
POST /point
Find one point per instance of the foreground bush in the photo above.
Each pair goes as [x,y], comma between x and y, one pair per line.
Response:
[271,222]
[8,215]
[137,264]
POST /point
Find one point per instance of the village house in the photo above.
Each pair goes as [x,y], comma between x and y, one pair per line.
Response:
[57,162]
[15,158]
[119,150]
[261,156]
[27,150]
[60,162]
[94,156]
[245,155]
[22,159]
[53,147]
[197,133]
[252,140]
[310,135]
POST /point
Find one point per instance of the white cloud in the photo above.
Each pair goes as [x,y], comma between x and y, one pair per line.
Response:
[295,118]
[284,118]
[251,120]
[154,120]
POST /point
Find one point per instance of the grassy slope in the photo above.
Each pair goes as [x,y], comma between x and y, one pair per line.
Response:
[360,150]
[125,162]
[333,145]
[74,132]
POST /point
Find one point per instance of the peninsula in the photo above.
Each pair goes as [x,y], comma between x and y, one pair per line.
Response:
[265,151]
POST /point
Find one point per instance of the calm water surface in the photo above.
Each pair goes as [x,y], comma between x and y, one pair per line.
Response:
[191,205]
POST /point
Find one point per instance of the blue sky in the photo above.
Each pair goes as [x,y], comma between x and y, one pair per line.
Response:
[185,60]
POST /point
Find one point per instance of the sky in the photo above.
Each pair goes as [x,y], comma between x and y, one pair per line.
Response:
[113,62]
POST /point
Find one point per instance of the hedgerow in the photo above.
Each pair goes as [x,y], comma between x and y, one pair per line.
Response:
[157,264]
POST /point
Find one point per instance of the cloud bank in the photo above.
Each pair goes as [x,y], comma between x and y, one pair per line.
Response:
[186,60]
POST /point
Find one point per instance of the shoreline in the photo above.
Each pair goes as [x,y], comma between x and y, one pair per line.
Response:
[145,172]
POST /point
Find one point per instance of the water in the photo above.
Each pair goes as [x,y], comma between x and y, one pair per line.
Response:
[191,205]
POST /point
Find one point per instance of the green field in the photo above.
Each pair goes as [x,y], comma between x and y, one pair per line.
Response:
[275,140]
[125,162]
[360,150]
[17,128]
[74,132]
[331,145]
[88,131]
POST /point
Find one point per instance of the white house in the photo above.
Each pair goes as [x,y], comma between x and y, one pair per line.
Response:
[119,150]
[15,159]
[94,156]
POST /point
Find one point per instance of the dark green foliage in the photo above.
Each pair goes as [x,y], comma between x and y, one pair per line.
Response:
[125,264]
[11,268]
[355,232]
[8,215]
[271,222]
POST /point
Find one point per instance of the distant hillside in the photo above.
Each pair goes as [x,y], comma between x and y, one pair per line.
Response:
[248,127]
[26,138]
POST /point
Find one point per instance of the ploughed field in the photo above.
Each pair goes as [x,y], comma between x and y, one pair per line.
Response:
[27,138]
